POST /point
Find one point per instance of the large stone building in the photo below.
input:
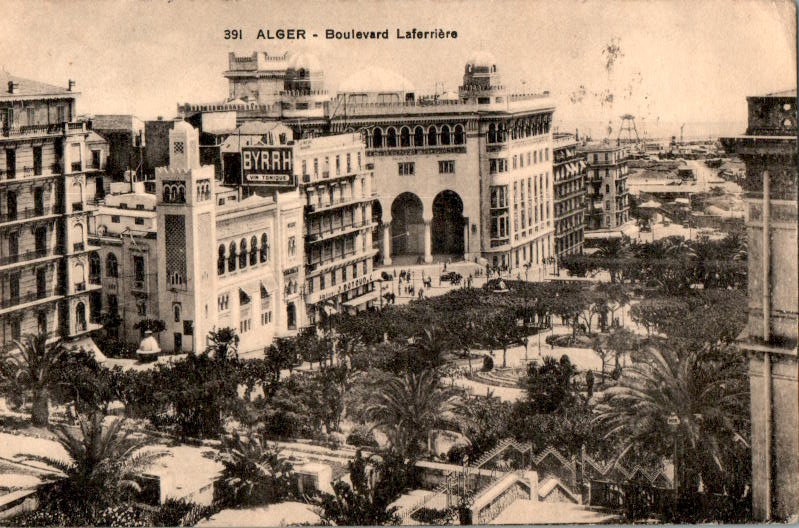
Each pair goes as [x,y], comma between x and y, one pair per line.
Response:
[607,203]
[47,178]
[769,149]
[568,170]
[466,175]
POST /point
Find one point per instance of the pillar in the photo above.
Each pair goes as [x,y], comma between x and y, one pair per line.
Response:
[428,241]
[387,244]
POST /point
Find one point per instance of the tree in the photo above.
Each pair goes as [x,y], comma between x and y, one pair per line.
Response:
[281,354]
[483,421]
[100,470]
[613,250]
[361,504]
[254,472]
[704,391]
[464,333]
[504,331]
[430,346]
[407,409]
[653,313]
[33,368]
[224,343]
[550,386]
[599,348]
[155,326]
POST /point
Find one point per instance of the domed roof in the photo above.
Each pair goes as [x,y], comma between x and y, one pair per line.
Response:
[304,61]
[182,126]
[375,79]
[481,59]
[148,345]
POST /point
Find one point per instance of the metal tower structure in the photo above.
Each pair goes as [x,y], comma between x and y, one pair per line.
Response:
[628,126]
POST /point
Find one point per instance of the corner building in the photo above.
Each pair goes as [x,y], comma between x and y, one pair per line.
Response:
[458,175]
[769,150]
[608,202]
[224,261]
[568,169]
[47,180]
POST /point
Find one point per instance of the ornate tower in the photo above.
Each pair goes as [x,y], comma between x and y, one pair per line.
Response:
[770,337]
[186,238]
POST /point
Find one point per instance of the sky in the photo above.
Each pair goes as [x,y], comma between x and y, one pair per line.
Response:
[677,61]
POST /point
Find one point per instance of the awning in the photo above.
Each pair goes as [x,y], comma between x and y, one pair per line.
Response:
[87,344]
[268,283]
[363,299]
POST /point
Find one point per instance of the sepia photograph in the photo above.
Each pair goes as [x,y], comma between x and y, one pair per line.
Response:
[372,262]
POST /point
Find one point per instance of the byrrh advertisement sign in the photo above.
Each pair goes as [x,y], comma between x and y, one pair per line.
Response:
[268,166]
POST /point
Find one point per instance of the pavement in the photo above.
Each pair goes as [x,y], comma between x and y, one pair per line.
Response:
[534,512]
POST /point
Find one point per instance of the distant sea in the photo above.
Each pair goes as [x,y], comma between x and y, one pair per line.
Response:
[655,130]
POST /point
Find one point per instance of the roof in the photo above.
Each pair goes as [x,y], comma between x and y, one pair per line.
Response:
[115,122]
[783,93]
[28,87]
[377,80]
[94,137]
[481,59]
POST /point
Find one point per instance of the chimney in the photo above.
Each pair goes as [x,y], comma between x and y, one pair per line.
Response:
[12,87]
[71,85]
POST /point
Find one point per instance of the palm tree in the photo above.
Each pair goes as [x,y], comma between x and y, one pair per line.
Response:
[407,409]
[254,473]
[613,250]
[34,368]
[431,345]
[101,465]
[692,403]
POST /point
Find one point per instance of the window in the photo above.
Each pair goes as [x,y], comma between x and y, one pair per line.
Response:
[223,302]
[266,318]
[138,271]
[316,166]
[406,168]
[446,167]
[139,221]
[546,153]
[220,263]
[177,147]
[95,159]
[292,247]
[178,337]
[111,266]
[141,308]
[37,161]
[231,260]
[349,162]
[176,312]
[338,165]
[344,273]
[253,251]
[322,281]
[188,327]
[359,161]
[264,247]
[115,219]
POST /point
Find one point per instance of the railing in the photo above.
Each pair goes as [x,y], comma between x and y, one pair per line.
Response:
[77,207]
[81,286]
[32,130]
[78,246]
[335,231]
[31,255]
[94,279]
[24,214]
[24,299]
[335,203]
[76,166]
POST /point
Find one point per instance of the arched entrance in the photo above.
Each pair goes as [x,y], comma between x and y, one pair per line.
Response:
[407,226]
[448,224]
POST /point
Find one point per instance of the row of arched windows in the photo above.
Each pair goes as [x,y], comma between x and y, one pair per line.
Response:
[203,190]
[432,136]
[174,193]
[499,133]
[242,254]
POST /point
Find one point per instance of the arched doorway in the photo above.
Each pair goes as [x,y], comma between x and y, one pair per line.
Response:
[447,229]
[407,226]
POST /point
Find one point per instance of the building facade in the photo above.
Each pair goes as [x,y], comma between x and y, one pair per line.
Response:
[568,170]
[125,229]
[336,187]
[769,150]
[445,166]
[607,194]
[47,179]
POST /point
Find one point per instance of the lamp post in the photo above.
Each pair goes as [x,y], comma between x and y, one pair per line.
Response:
[674,423]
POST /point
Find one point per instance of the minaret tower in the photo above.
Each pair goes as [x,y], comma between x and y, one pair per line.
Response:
[186,235]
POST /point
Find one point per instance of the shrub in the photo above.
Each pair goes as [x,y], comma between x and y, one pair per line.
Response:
[362,437]
[432,516]
[179,512]
[488,363]
[456,453]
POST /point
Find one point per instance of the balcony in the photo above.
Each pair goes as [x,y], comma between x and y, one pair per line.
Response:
[75,166]
[77,207]
[27,298]
[38,131]
[95,279]
[318,236]
[339,202]
[78,246]
[80,287]
[31,255]
[26,214]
